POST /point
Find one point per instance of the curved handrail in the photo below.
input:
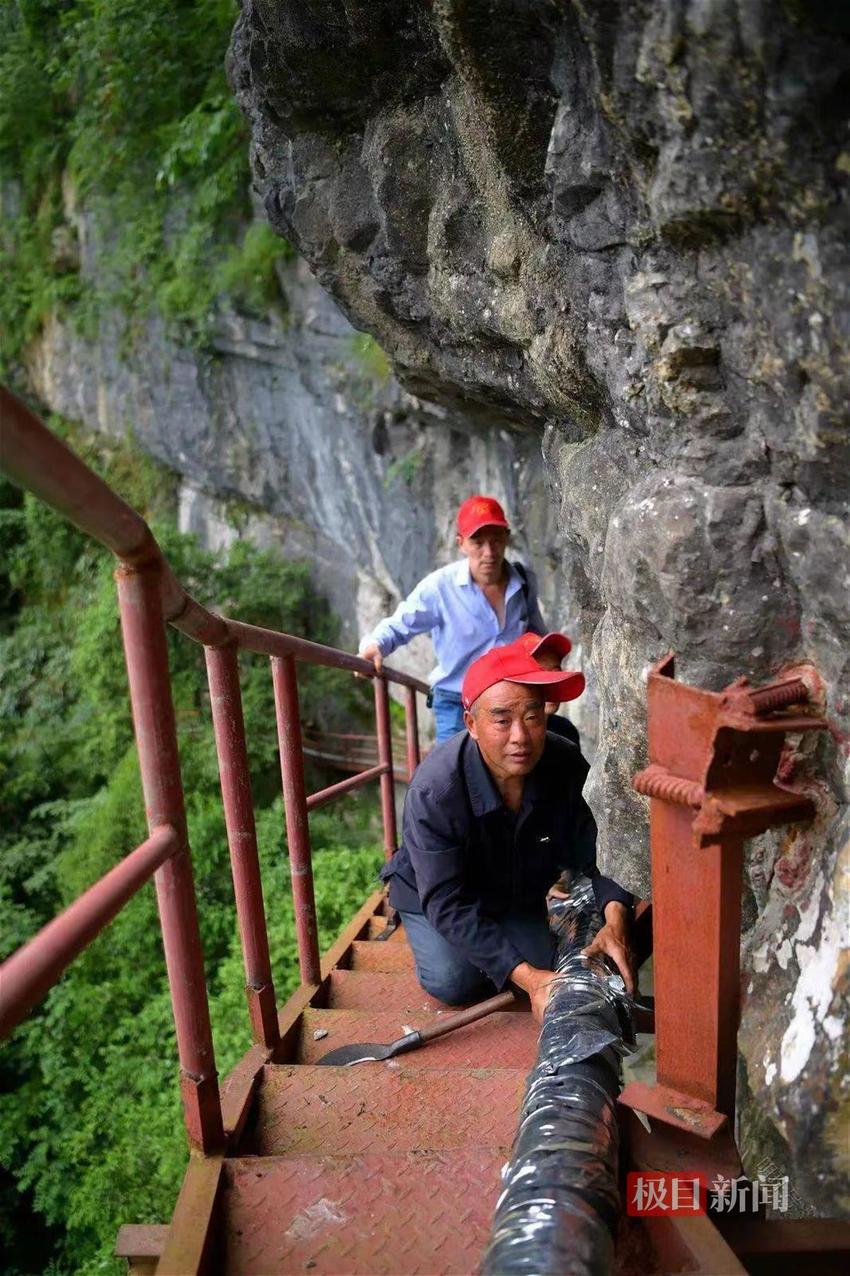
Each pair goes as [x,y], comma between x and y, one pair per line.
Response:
[149,596]
[34,968]
[36,459]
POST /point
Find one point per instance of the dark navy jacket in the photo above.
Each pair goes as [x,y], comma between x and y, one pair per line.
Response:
[466,860]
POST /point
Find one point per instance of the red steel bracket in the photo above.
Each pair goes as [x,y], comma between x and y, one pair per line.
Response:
[714,758]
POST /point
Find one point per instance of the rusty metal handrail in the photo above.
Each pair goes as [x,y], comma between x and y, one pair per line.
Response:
[150,595]
[323,796]
[30,972]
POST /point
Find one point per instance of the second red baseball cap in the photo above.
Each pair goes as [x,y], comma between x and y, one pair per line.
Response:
[512,664]
[558,644]
[480,511]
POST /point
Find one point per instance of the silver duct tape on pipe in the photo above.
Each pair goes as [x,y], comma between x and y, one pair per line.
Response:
[560,1199]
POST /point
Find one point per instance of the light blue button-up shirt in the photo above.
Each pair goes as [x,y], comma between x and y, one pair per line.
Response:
[452,608]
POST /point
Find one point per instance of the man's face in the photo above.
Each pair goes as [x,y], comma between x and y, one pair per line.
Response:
[485,550]
[550,661]
[508,723]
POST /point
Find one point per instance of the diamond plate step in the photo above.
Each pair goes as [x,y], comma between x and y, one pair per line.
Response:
[388,957]
[366,989]
[400,993]
[302,1109]
[499,1041]
[414,1214]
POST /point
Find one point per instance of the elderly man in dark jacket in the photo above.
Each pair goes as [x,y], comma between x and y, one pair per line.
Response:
[491,818]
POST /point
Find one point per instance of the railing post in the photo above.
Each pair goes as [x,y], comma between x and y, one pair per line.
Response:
[146,653]
[229,727]
[385,758]
[411,728]
[297,824]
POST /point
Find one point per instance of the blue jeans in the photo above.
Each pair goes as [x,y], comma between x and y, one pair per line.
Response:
[446,974]
[448,713]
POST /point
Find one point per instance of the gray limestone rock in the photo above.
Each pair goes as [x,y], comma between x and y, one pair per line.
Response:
[622,226]
[294,433]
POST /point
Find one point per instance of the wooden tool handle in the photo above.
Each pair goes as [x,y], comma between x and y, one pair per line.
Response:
[447,1023]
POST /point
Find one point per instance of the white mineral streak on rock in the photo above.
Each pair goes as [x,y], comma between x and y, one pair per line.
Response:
[813,994]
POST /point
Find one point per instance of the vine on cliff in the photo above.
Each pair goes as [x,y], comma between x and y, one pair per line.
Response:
[122,110]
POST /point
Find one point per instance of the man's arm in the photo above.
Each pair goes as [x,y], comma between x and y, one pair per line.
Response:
[537,983]
[416,614]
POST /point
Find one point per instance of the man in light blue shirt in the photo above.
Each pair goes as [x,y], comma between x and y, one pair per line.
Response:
[479,602]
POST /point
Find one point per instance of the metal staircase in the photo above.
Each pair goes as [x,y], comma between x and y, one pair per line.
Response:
[382,1167]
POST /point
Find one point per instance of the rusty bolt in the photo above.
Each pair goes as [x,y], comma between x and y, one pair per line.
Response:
[658,782]
[777,695]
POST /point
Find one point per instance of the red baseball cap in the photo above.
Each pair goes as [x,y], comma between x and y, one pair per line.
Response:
[558,644]
[513,664]
[480,511]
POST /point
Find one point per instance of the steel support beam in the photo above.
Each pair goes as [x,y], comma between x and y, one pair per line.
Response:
[156,740]
[229,727]
[714,758]
[385,759]
[411,728]
[297,822]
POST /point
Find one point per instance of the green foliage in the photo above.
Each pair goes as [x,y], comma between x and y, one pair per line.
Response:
[123,108]
[90,1122]
[371,358]
[405,467]
[247,272]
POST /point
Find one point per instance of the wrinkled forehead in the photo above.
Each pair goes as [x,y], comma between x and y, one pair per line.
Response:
[512,696]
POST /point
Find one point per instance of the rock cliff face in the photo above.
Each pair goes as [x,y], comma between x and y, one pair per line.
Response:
[295,434]
[624,226]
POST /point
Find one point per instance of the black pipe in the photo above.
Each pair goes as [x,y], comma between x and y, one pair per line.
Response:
[560,1200]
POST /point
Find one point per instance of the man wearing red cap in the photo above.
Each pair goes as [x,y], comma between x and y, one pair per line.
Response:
[491,818]
[479,602]
[549,651]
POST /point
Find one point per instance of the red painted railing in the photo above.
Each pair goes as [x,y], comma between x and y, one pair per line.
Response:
[150,596]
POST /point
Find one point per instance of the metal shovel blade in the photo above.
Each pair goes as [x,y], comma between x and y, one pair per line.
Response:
[345,1056]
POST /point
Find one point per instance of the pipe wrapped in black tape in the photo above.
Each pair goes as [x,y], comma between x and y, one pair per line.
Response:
[560,1200]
